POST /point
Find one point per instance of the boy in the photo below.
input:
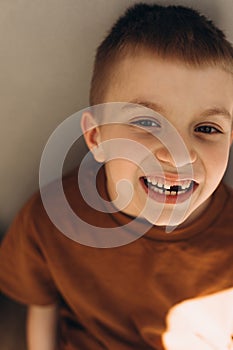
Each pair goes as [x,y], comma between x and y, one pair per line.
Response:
[169,67]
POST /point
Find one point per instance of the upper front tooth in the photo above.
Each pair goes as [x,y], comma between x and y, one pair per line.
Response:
[160,184]
[167,186]
[154,182]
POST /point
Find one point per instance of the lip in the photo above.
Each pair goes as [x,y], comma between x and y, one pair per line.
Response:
[169,199]
[172,177]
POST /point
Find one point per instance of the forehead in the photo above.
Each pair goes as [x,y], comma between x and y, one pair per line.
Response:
[169,83]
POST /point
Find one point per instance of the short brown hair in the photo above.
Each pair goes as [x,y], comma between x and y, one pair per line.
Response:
[169,31]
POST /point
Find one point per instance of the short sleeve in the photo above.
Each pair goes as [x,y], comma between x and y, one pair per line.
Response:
[24,272]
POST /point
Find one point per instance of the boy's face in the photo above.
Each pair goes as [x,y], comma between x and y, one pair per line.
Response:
[198,102]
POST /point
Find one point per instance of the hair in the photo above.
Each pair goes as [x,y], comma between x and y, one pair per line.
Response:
[173,32]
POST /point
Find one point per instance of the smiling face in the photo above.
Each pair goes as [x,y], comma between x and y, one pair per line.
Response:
[175,104]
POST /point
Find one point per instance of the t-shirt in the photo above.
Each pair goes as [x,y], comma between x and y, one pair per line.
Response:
[162,290]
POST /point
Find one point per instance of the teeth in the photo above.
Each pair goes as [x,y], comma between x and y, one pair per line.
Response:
[154,182]
[186,185]
[163,186]
[167,193]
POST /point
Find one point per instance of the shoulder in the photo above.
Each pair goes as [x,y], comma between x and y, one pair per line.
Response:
[66,203]
[34,215]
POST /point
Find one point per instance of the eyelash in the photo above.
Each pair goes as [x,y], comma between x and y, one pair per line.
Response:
[144,123]
[206,129]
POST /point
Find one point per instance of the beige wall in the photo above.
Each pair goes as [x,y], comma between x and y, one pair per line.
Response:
[46,52]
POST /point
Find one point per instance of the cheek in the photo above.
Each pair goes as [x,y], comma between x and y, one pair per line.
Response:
[122,169]
[215,160]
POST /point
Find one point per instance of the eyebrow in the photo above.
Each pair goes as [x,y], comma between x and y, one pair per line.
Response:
[221,111]
[152,105]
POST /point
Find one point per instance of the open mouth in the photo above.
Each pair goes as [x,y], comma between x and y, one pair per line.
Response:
[166,191]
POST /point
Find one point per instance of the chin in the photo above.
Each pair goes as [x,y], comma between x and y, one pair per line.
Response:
[166,220]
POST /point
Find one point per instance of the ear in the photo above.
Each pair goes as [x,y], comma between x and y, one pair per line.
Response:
[92,136]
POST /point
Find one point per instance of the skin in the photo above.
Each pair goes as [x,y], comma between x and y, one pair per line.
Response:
[198,102]
[42,323]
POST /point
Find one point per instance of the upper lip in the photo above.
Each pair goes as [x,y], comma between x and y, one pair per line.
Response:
[171,177]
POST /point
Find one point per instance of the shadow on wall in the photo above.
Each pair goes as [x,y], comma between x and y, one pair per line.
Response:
[228,178]
[12,321]
[2,232]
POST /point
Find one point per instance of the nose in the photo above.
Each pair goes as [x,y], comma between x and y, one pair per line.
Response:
[176,157]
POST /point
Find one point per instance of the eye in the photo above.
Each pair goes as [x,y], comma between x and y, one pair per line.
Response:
[146,123]
[207,129]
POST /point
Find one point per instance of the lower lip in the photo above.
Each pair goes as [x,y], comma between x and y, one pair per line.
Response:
[168,199]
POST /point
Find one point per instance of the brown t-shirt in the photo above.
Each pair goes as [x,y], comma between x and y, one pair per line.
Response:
[116,298]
